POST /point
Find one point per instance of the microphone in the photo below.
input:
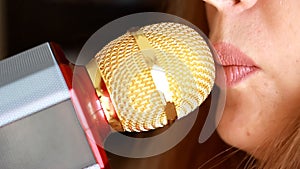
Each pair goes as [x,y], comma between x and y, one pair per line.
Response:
[51,111]
[152,75]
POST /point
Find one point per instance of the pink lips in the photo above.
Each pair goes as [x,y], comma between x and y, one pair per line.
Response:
[236,64]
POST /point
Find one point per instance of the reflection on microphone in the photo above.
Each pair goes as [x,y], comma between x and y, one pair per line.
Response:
[152,75]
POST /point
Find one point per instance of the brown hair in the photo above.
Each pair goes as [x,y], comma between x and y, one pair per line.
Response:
[282,151]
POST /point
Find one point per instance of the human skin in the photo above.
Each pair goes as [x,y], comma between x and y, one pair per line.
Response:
[260,106]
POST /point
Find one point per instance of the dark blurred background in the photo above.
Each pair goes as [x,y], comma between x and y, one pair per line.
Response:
[28,23]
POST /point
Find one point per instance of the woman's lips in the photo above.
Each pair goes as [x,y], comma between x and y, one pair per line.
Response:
[237,65]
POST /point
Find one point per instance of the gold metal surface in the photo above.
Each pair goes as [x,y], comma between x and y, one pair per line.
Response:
[95,76]
[125,65]
[158,74]
[108,109]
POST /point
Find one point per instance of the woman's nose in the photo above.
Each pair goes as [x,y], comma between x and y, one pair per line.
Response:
[232,5]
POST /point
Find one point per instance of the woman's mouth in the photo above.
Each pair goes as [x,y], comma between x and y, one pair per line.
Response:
[237,65]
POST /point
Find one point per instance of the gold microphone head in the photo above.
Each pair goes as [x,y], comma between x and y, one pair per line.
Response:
[152,75]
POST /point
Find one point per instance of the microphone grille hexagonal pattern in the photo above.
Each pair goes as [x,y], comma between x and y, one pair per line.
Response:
[154,71]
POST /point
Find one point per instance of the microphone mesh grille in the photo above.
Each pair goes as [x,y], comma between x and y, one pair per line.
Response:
[180,51]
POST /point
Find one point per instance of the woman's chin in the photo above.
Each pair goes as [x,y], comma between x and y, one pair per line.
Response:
[239,129]
[236,137]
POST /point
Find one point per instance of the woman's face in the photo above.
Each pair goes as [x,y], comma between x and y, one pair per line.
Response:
[258,42]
